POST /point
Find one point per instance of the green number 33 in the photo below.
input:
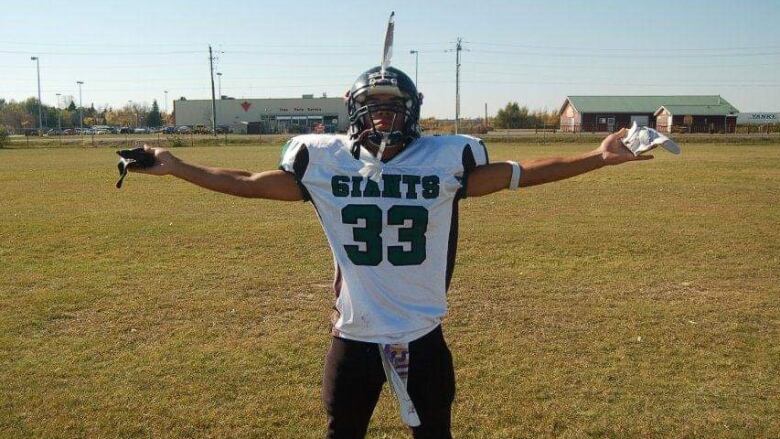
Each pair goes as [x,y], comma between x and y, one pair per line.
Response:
[371,234]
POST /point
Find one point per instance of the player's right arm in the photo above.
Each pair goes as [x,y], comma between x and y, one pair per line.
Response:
[271,185]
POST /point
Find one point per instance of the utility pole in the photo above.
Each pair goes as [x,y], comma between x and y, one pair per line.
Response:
[59,118]
[213,98]
[81,106]
[59,114]
[416,54]
[458,49]
[166,101]
[486,119]
[40,104]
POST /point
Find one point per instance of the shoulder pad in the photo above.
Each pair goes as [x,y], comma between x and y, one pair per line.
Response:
[458,144]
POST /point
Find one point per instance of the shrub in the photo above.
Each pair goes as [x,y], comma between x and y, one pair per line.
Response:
[295,129]
[4,140]
[175,141]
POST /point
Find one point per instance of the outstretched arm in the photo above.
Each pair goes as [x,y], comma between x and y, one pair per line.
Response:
[272,185]
[491,178]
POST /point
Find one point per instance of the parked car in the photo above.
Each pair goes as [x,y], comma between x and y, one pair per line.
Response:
[169,130]
[201,129]
[184,129]
[68,132]
[125,130]
[54,132]
[141,130]
[224,129]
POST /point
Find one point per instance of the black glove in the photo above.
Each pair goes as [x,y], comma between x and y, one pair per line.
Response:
[136,158]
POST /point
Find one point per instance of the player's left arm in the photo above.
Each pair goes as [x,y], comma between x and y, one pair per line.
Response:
[484,180]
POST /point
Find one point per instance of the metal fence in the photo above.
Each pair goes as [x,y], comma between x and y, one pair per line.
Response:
[682,129]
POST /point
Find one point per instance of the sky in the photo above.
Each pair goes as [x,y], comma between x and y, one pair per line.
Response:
[534,53]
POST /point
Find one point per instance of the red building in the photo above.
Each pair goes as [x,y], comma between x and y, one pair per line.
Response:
[711,114]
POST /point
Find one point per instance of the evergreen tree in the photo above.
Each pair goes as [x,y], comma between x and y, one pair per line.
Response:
[154,118]
[511,116]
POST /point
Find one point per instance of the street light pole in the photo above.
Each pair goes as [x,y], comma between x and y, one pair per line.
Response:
[81,106]
[416,58]
[219,78]
[166,101]
[40,112]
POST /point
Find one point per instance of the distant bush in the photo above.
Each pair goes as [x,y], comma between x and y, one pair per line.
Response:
[175,141]
[3,137]
[476,129]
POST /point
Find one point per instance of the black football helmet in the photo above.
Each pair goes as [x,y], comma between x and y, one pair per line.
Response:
[390,82]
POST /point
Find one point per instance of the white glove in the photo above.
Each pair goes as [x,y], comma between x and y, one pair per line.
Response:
[640,140]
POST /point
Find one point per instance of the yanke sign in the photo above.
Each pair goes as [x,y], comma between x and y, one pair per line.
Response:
[758,118]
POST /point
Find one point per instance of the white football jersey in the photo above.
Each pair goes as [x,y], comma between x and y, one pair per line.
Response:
[393,241]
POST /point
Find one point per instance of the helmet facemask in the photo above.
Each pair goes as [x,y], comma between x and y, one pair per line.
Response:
[392,133]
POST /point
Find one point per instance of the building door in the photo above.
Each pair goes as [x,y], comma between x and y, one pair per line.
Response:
[610,124]
[642,121]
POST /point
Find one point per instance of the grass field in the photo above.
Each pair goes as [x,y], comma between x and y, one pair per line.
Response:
[638,301]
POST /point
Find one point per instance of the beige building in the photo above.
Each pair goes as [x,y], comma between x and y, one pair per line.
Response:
[265,116]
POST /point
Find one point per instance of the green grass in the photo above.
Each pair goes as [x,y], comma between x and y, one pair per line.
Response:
[637,301]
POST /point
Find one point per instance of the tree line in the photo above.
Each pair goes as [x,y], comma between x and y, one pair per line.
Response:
[513,116]
[17,117]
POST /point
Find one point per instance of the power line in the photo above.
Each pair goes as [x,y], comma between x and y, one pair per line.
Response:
[192,52]
[194,45]
[627,84]
[145,53]
[621,66]
[350,71]
[626,49]
[629,55]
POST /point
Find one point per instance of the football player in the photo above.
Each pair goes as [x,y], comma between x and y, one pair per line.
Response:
[387,199]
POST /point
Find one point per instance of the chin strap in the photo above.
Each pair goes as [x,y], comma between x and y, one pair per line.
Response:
[372,165]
